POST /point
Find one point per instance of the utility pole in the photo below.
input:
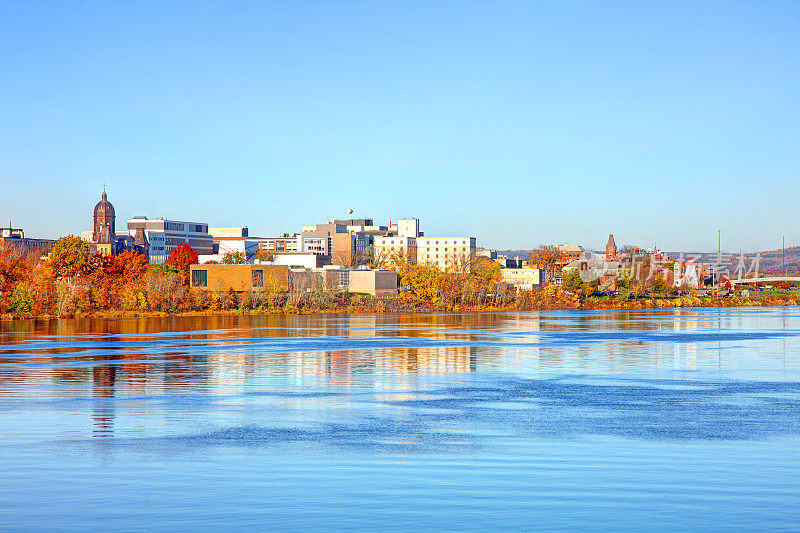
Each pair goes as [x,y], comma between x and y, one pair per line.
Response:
[719,257]
[783,255]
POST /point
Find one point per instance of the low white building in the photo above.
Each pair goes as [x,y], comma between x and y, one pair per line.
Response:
[300,260]
[523,278]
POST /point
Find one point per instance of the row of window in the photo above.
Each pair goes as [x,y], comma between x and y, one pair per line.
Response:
[180,226]
[401,242]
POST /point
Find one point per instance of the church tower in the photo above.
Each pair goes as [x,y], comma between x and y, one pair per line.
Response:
[104,220]
[611,248]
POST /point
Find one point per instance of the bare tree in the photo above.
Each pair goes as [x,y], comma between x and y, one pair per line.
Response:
[547,257]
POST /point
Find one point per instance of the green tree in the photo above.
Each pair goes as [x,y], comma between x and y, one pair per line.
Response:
[661,286]
[572,281]
[69,258]
[161,268]
[265,256]
[21,299]
[234,258]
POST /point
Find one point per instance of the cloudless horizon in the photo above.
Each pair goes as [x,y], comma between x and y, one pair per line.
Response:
[518,123]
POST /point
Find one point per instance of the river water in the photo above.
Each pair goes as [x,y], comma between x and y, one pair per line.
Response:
[607,420]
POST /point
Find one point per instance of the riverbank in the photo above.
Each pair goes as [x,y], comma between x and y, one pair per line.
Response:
[562,301]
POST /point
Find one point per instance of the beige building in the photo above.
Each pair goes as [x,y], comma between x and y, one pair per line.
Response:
[380,283]
[522,278]
[387,249]
[240,278]
[408,227]
[445,252]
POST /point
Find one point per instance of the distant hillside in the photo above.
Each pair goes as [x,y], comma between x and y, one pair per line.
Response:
[770,263]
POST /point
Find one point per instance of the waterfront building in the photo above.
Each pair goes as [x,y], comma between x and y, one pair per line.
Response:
[509,262]
[234,240]
[446,252]
[11,233]
[408,227]
[15,237]
[172,233]
[103,238]
[611,248]
[284,242]
[301,260]
[523,278]
[388,249]
[570,252]
[239,278]
[317,238]
[375,282]
[245,278]
[333,240]
[104,221]
[362,225]
[349,249]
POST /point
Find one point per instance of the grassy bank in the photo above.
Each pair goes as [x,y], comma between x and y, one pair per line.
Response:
[408,304]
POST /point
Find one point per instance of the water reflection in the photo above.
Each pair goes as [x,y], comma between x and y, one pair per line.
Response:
[682,419]
[175,358]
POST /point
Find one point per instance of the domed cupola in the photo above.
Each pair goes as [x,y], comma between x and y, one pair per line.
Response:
[104,220]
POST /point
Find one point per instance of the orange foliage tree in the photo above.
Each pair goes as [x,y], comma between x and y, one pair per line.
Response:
[15,274]
[128,266]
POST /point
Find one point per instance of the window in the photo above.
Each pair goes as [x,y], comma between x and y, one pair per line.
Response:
[258,278]
[199,278]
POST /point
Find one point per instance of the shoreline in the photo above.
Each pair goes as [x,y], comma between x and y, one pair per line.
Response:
[588,305]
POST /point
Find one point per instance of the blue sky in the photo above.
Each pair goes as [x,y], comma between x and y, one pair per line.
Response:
[517,122]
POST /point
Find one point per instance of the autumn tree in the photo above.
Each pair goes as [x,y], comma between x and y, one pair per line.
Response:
[572,281]
[548,258]
[182,258]
[69,258]
[161,268]
[15,270]
[422,281]
[265,256]
[233,258]
[128,266]
[367,257]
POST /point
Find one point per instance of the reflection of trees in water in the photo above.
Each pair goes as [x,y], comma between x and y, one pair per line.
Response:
[104,378]
[219,352]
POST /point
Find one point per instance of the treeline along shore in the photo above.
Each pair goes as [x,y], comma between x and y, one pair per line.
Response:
[71,282]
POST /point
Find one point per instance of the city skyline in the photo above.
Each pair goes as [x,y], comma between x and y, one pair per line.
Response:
[516,124]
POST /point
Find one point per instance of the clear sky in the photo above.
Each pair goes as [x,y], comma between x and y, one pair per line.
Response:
[516,122]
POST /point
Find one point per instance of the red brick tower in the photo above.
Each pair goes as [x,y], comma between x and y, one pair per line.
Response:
[104,220]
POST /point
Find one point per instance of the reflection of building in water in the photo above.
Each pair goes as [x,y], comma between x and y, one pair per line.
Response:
[103,379]
[428,360]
